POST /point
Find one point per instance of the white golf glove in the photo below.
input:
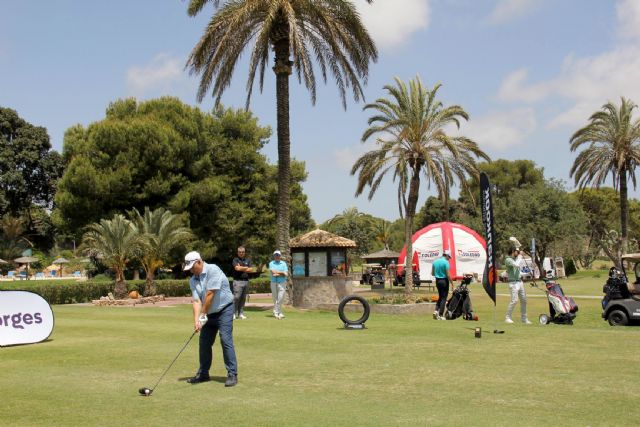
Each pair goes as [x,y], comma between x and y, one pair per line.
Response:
[202,320]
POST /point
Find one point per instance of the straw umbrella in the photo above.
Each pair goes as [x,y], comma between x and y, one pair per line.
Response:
[26,260]
[61,261]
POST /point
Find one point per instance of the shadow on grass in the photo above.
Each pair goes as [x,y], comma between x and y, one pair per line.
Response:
[216,379]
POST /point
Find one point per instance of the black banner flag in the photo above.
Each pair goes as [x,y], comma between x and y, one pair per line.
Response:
[490,271]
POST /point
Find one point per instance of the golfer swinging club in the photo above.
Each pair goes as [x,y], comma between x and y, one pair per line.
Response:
[513,263]
[212,312]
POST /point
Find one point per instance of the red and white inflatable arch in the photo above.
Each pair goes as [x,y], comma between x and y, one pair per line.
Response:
[468,250]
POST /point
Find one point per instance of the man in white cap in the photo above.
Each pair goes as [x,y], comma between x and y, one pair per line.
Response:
[279,272]
[212,313]
[513,262]
[440,270]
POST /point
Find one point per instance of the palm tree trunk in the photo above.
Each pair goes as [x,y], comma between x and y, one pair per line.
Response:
[282,69]
[412,202]
[149,284]
[120,288]
[624,211]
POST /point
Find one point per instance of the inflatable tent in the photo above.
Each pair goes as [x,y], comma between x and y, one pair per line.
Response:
[468,250]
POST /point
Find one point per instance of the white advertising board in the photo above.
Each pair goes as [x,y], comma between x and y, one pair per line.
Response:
[25,318]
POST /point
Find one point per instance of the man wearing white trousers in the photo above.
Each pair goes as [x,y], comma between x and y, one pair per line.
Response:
[279,272]
[513,262]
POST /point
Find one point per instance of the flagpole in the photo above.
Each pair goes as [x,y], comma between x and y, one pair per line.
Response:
[490,277]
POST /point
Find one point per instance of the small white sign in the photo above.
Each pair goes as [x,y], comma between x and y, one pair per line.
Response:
[25,318]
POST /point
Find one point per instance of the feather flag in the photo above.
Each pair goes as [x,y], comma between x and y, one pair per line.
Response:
[490,271]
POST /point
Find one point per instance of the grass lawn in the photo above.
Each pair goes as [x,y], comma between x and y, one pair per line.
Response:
[307,370]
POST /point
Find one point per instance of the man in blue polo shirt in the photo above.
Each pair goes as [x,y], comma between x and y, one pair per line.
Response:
[440,270]
[212,313]
[279,272]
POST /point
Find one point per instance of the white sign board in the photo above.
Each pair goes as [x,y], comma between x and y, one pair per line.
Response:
[317,264]
[25,318]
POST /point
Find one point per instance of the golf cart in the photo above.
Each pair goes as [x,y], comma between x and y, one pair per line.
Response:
[372,274]
[621,303]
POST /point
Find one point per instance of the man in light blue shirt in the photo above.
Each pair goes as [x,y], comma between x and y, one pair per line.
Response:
[212,313]
[279,272]
[440,270]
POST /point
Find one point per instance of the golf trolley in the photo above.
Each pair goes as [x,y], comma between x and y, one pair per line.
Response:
[562,309]
[621,303]
[460,302]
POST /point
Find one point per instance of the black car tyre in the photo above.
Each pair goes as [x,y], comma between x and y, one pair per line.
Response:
[365,312]
[618,318]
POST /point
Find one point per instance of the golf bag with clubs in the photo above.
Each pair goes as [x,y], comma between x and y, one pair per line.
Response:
[460,302]
[615,288]
[562,309]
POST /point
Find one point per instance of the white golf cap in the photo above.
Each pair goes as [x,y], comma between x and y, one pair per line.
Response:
[446,252]
[190,259]
[277,253]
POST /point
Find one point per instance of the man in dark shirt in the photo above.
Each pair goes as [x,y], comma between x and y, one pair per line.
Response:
[241,270]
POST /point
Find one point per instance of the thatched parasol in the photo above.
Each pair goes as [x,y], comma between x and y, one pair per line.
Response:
[26,260]
[61,261]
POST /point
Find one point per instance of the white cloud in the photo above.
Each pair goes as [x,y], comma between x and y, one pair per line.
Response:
[161,74]
[508,10]
[392,22]
[500,130]
[346,157]
[514,88]
[587,82]
[628,13]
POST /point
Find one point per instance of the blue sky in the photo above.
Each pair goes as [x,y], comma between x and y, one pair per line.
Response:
[529,73]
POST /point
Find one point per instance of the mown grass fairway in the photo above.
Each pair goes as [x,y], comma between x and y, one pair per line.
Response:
[307,370]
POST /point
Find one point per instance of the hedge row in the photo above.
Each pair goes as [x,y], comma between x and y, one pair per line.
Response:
[70,292]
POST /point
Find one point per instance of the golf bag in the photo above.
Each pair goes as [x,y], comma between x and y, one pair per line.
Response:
[562,309]
[615,288]
[460,302]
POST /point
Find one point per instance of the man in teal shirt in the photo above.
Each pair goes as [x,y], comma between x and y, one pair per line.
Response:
[279,272]
[440,270]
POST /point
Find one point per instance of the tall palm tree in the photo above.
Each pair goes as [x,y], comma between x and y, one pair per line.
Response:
[160,231]
[383,232]
[354,225]
[299,32]
[612,140]
[12,240]
[411,141]
[115,242]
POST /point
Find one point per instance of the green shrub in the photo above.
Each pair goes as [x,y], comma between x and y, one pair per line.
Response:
[73,291]
[570,268]
[400,299]
[259,286]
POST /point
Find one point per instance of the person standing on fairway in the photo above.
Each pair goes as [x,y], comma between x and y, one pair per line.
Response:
[513,263]
[241,270]
[279,272]
[212,313]
[440,269]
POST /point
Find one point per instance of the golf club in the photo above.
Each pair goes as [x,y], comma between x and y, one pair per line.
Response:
[145,391]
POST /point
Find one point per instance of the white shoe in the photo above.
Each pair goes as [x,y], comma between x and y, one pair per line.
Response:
[234,317]
[242,316]
[508,320]
[436,316]
[526,322]
[280,316]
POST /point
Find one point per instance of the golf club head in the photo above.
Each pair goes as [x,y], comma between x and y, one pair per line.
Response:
[144,391]
[496,331]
